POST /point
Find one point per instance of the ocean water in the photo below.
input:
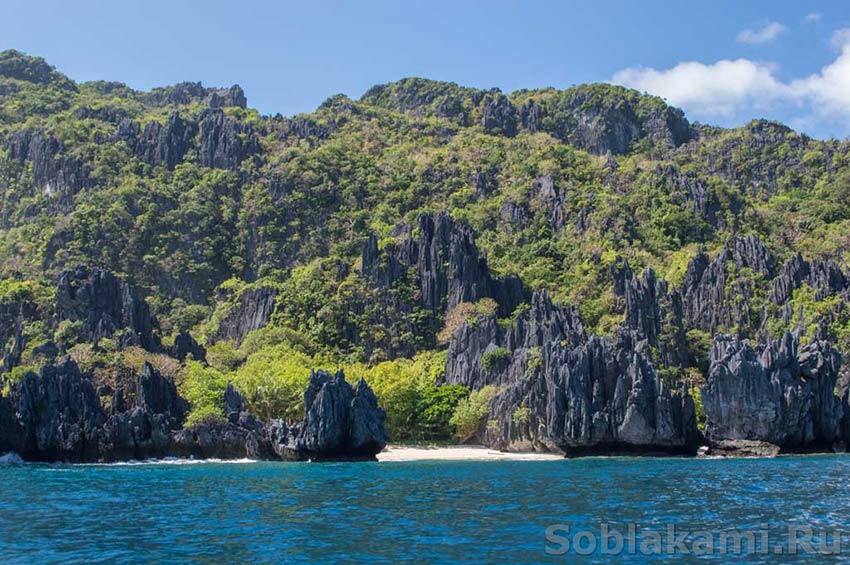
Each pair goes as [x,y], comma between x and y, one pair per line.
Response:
[441,512]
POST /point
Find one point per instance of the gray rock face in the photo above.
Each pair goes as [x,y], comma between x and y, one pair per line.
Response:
[603,118]
[716,295]
[541,324]
[185,345]
[252,311]
[423,97]
[54,172]
[825,277]
[240,436]
[142,418]
[781,393]
[559,390]
[692,192]
[498,115]
[553,200]
[763,177]
[57,415]
[597,118]
[110,114]
[106,306]
[655,315]
[598,397]
[450,268]
[514,216]
[224,142]
[13,314]
[444,264]
[341,422]
[188,92]
[741,448]
[224,97]
[159,144]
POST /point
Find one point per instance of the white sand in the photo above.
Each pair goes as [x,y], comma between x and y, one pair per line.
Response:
[458,453]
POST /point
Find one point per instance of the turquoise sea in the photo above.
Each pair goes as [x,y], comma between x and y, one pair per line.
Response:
[435,511]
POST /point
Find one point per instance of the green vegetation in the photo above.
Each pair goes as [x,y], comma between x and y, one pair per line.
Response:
[471,412]
[495,358]
[292,211]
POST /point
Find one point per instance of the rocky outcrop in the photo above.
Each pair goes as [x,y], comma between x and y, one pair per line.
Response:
[110,114]
[188,92]
[105,306]
[718,293]
[598,397]
[448,265]
[159,144]
[423,97]
[55,173]
[143,416]
[252,310]
[558,390]
[450,268]
[498,115]
[825,277]
[693,192]
[553,200]
[18,66]
[224,97]
[761,156]
[240,436]
[59,415]
[185,346]
[740,448]
[654,315]
[604,119]
[445,267]
[15,311]
[341,422]
[223,141]
[781,393]
[598,118]
[477,339]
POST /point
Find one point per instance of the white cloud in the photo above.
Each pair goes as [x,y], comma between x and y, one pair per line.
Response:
[729,88]
[720,88]
[769,32]
[829,90]
[840,38]
[812,18]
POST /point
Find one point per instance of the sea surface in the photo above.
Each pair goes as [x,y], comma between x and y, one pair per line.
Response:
[425,511]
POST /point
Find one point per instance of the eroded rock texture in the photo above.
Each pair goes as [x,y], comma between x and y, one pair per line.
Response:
[782,393]
[252,311]
[341,422]
[59,415]
[105,306]
[442,267]
[560,390]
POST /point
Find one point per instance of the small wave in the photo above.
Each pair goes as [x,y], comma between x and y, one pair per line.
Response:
[169,461]
[11,458]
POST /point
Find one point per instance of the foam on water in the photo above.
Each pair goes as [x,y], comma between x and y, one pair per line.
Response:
[168,461]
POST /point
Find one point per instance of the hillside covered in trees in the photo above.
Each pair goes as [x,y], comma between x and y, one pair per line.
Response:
[455,247]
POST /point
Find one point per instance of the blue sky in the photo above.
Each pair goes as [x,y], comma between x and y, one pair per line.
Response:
[723,61]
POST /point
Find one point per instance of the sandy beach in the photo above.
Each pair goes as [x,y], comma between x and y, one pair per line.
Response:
[457,453]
